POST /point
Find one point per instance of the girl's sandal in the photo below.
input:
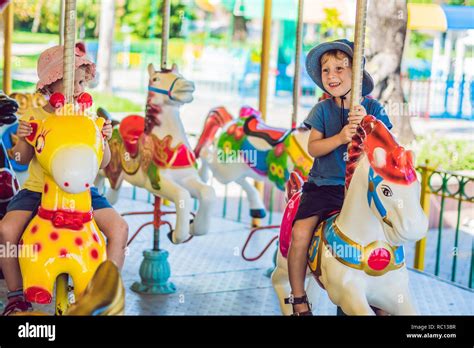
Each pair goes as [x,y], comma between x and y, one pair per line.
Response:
[299,300]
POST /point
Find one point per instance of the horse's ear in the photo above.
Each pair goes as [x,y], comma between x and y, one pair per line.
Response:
[35,125]
[151,69]
[380,157]
[411,157]
[174,68]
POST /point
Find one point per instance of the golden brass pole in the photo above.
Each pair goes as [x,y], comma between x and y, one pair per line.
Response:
[7,48]
[264,71]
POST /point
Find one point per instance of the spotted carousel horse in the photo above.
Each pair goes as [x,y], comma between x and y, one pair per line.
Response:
[357,254]
[154,153]
[248,148]
[63,237]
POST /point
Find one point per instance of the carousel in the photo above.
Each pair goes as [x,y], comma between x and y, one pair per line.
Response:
[183,257]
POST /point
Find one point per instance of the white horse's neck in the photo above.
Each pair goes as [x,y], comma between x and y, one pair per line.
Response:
[171,125]
[357,220]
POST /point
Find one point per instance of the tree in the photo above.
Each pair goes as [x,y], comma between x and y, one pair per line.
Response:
[386,32]
[139,17]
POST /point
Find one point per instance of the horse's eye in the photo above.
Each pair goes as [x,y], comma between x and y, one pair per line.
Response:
[40,143]
[155,79]
[387,191]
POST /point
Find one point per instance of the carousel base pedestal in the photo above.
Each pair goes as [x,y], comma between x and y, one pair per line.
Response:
[154,273]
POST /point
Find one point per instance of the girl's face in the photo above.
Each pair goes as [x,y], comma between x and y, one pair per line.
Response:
[336,75]
[79,83]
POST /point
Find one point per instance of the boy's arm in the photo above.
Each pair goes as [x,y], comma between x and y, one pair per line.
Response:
[107,156]
[319,146]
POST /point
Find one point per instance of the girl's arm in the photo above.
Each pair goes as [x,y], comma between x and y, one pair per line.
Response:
[107,156]
[22,151]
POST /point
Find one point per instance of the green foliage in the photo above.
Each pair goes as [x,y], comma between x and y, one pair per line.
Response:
[87,16]
[331,24]
[446,154]
[113,103]
[145,19]
[417,41]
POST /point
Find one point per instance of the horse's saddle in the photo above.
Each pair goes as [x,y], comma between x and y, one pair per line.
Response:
[254,126]
[131,128]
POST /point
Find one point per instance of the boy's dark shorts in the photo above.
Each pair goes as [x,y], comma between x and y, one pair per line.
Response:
[31,200]
[319,200]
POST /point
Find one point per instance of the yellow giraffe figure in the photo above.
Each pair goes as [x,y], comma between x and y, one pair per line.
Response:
[63,237]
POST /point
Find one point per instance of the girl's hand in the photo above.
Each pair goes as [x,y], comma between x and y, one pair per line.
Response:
[24,129]
[357,114]
[107,129]
[346,134]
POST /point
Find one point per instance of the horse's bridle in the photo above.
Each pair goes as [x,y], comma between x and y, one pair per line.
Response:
[374,181]
[164,91]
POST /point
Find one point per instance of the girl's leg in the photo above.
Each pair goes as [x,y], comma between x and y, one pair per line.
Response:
[115,228]
[11,229]
[297,257]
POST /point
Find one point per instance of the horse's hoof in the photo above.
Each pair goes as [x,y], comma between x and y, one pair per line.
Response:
[170,237]
[258,213]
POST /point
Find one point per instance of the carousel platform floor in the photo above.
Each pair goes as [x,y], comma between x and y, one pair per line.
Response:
[212,278]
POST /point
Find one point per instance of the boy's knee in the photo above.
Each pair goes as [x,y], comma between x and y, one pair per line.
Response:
[300,234]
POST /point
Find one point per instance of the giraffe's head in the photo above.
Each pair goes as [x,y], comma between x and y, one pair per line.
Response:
[69,149]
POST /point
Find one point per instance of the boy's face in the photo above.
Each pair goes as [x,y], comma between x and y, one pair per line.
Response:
[79,83]
[336,75]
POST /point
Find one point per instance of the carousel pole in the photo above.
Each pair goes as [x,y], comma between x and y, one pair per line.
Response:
[264,71]
[69,54]
[165,34]
[62,301]
[61,22]
[357,59]
[297,76]
[155,269]
[296,93]
[7,48]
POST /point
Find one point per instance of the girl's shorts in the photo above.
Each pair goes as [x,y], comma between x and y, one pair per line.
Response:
[319,200]
[31,200]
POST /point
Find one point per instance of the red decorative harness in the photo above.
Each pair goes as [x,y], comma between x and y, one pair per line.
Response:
[172,157]
[65,219]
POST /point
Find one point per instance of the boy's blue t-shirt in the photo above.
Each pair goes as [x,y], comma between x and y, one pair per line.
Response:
[326,118]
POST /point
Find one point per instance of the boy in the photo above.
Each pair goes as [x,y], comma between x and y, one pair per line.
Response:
[332,128]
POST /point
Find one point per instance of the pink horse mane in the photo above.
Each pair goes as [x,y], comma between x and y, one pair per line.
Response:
[372,134]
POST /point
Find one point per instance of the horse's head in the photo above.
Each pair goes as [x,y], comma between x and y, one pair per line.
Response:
[69,149]
[393,191]
[168,87]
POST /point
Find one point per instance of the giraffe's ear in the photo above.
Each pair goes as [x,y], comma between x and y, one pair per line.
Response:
[36,126]
[100,121]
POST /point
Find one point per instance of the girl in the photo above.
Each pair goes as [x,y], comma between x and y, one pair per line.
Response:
[25,204]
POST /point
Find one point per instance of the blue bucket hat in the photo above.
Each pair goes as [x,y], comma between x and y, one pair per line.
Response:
[313,63]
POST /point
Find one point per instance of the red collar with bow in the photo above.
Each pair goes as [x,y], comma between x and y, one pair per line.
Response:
[65,219]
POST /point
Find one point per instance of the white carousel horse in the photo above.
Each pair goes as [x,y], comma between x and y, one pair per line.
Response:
[248,148]
[154,153]
[357,254]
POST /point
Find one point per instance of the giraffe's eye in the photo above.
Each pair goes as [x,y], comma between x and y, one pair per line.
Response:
[40,143]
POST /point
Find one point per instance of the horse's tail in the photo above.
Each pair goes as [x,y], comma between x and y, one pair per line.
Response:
[217,118]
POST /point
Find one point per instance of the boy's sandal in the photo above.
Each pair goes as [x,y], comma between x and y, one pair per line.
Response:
[299,300]
[17,305]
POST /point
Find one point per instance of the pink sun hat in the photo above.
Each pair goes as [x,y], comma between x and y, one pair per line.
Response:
[50,64]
